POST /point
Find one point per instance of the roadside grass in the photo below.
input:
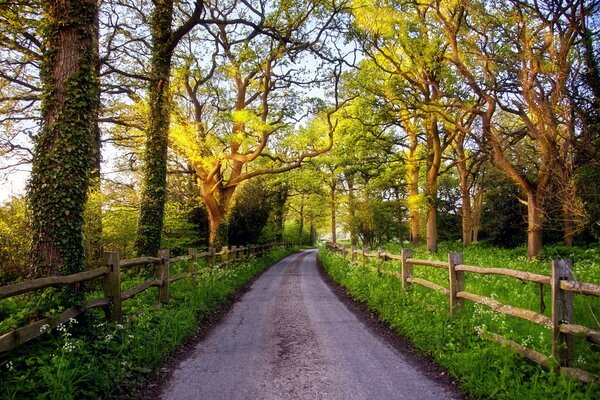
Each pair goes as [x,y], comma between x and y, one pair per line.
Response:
[484,369]
[89,358]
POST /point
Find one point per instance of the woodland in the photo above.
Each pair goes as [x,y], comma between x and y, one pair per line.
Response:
[168,124]
[456,126]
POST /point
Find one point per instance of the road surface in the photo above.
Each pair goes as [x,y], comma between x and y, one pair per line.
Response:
[290,337]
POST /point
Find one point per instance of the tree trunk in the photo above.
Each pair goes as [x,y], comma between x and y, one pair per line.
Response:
[465,195]
[301,225]
[351,209]
[332,206]
[217,200]
[434,160]
[154,181]
[412,177]
[432,228]
[476,216]
[59,182]
[534,226]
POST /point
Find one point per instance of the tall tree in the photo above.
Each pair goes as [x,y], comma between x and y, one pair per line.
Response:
[164,41]
[64,147]
[239,119]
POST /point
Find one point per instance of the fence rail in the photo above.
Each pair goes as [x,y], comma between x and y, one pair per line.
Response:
[113,295]
[561,284]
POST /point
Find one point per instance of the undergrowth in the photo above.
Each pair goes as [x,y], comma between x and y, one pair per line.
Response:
[91,359]
[484,368]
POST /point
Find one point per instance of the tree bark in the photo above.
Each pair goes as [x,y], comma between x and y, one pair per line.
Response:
[434,162]
[154,181]
[60,173]
[218,204]
[351,209]
[332,206]
[534,225]
[412,177]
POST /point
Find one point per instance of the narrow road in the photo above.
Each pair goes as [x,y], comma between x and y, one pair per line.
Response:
[290,337]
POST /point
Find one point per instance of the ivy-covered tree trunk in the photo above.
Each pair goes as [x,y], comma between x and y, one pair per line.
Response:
[155,154]
[61,163]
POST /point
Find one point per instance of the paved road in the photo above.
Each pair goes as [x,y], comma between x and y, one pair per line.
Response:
[290,337]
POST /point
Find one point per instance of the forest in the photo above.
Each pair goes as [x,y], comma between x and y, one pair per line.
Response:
[139,125]
[189,123]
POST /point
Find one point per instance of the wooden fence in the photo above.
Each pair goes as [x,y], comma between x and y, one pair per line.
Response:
[113,295]
[562,287]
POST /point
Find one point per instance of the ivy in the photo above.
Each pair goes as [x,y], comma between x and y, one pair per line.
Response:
[63,149]
[155,156]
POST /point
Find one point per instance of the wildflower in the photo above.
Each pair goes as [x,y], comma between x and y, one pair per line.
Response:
[44,328]
[68,347]
[109,337]
[130,336]
[9,366]
[72,321]
[119,326]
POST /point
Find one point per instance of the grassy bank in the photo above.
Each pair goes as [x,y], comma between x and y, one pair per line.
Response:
[484,369]
[91,359]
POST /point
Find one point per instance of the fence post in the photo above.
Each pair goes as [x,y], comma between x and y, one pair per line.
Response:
[211,257]
[112,287]
[344,251]
[163,276]
[193,255]
[407,269]
[457,281]
[562,312]
[234,253]
[224,252]
[380,258]
[364,254]
[353,253]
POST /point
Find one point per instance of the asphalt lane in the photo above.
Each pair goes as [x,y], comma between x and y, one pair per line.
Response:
[289,337]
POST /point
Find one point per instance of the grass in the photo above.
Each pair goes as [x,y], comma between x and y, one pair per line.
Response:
[484,369]
[92,359]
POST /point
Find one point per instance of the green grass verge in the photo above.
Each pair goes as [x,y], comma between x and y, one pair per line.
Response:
[92,359]
[483,368]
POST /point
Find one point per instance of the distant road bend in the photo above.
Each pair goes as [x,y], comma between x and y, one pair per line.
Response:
[290,337]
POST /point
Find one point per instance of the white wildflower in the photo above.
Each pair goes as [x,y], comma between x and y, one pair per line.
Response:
[44,328]
[9,366]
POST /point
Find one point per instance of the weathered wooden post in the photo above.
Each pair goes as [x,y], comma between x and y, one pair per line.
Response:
[211,257]
[364,254]
[224,252]
[353,257]
[457,281]
[380,259]
[234,253]
[562,312]
[163,276]
[112,287]
[344,251]
[407,268]
[193,257]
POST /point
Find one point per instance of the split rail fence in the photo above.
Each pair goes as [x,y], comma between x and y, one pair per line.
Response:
[562,286]
[110,273]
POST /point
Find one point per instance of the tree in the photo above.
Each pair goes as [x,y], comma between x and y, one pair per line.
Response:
[540,37]
[64,147]
[164,41]
[239,117]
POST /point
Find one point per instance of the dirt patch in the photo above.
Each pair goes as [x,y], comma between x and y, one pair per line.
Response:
[380,328]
